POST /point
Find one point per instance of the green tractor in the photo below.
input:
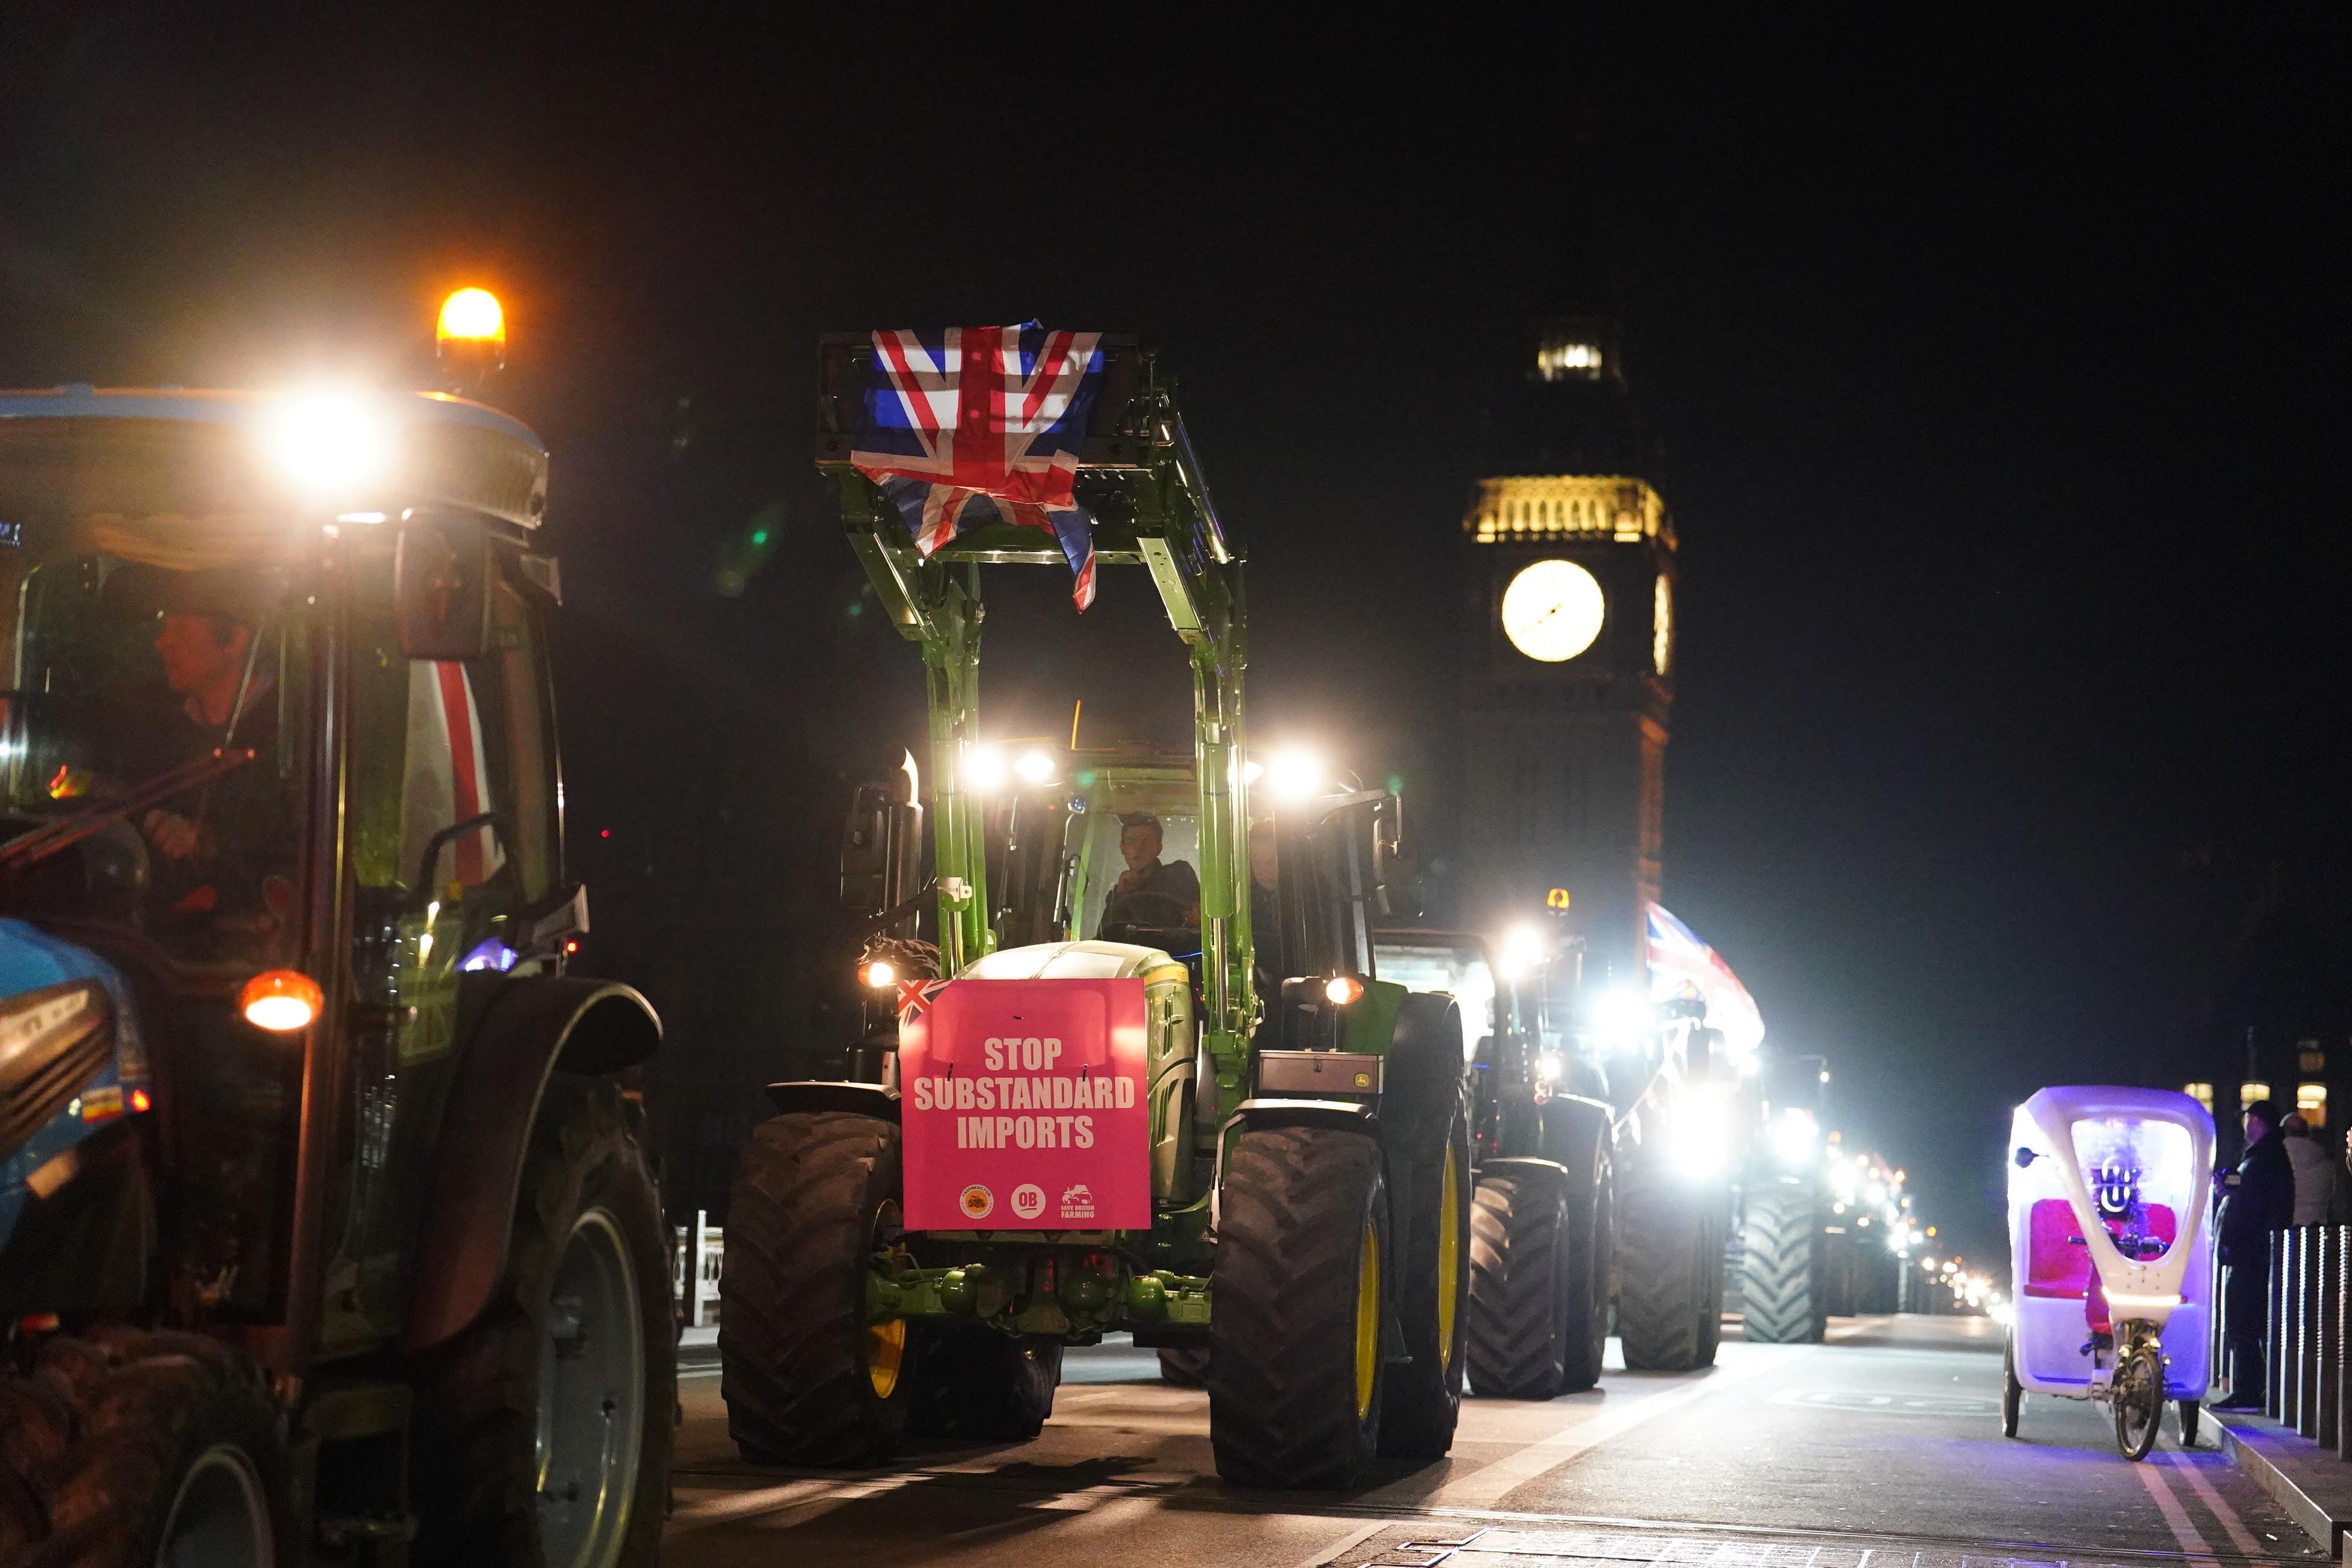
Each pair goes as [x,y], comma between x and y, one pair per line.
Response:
[1543,1237]
[1305,1139]
[327,1235]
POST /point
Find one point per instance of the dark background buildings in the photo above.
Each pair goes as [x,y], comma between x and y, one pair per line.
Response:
[1996,355]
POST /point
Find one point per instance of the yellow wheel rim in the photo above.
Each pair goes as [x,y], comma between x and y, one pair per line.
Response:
[1368,1320]
[886,1352]
[1449,1257]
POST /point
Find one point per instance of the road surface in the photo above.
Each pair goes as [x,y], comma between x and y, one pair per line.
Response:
[1881,1449]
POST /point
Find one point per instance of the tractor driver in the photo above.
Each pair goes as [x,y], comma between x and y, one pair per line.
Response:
[219,848]
[1148,893]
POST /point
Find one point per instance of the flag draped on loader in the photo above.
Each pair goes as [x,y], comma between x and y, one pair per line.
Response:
[975,426]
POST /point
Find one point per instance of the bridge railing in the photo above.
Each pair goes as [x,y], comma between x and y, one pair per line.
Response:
[2308,1379]
[693,1269]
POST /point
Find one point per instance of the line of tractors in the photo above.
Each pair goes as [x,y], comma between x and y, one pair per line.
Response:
[328,1229]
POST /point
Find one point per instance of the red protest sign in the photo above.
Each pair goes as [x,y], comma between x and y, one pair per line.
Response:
[1023,1107]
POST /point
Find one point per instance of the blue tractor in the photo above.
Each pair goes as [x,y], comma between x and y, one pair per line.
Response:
[327,1231]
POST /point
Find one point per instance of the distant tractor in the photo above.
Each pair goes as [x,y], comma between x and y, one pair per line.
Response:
[325,1220]
[1642,1164]
[1287,1130]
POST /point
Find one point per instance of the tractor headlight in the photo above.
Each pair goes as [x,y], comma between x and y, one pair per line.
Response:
[880,974]
[1699,1134]
[330,443]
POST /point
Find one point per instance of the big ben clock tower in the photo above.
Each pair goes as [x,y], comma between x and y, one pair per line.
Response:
[1568,657]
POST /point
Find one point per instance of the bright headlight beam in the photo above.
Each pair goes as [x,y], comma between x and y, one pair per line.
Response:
[329,442]
[1295,772]
[1034,767]
[983,769]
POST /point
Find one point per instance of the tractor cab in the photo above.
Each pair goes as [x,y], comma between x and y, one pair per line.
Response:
[284,1020]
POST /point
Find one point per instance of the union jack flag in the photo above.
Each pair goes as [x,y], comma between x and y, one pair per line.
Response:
[981,425]
[915,997]
[1683,967]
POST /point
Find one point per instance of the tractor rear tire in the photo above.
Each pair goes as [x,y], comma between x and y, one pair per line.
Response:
[1423,1402]
[1184,1366]
[1295,1348]
[806,1379]
[1670,1279]
[973,1382]
[1780,1287]
[543,1433]
[126,1449]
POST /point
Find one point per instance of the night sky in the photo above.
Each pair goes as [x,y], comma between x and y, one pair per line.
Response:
[1997,369]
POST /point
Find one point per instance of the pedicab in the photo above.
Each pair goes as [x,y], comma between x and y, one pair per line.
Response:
[2112,1256]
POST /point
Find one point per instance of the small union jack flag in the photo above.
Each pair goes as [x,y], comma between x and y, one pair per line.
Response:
[980,425]
[915,997]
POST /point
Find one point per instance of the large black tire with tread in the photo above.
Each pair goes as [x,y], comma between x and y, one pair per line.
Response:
[1304,1218]
[118,1442]
[804,1381]
[1781,1285]
[1670,1272]
[973,1382]
[1423,1403]
[475,1460]
[1539,1281]
[1184,1366]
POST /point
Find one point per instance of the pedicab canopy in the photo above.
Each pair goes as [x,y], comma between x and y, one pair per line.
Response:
[2108,1199]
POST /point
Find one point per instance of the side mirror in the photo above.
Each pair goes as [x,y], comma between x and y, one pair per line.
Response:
[2025,1156]
[441,576]
[881,846]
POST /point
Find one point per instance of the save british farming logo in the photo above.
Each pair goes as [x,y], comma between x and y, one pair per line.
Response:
[1026,1088]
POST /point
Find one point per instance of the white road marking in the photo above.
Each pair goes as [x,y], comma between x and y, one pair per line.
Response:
[1323,1555]
[2176,1518]
[1490,1482]
[2240,1536]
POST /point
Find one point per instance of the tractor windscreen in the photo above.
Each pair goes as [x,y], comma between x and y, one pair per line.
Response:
[1141,871]
[147,658]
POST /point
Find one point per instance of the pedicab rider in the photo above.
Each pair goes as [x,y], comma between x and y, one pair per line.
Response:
[2257,1198]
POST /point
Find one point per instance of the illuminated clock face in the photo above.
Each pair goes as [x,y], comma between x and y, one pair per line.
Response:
[1662,636]
[1552,610]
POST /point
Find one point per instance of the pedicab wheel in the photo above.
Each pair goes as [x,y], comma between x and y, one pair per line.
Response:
[2188,1413]
[2138,1396]
[2012,1393]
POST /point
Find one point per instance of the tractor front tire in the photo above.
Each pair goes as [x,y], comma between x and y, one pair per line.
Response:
[973,1382]
[543,1433]
[807,1380]
[1538,1283]
[1423,1402]
[1781,1283]
[127,1449]
[1670,1278]
[1294,1343]
[1184,1366]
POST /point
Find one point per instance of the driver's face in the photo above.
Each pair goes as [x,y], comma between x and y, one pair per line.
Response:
[195,659]
[1140,847]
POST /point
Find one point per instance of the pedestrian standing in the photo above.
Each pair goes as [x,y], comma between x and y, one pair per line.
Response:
[2257,1198]
[2319,1177]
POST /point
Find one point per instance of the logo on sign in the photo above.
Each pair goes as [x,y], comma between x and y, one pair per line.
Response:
[1028,1199]
[977,1202]
[1078,1202]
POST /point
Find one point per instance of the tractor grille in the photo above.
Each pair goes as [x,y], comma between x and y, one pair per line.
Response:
[52,1042]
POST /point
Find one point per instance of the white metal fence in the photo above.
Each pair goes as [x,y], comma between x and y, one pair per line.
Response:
[694,1270]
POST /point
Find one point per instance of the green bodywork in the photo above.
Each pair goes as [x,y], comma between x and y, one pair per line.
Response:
[1151,506]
